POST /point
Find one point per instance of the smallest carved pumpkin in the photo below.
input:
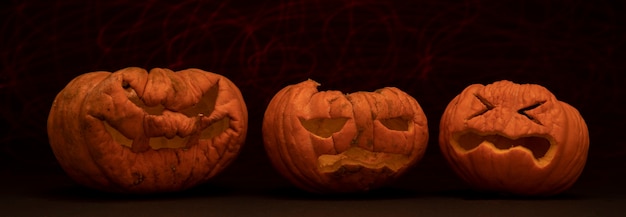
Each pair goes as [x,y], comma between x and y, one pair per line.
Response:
[514,138]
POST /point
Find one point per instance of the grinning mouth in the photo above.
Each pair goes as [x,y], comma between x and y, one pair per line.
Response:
[356,156]
[176,141]
[538,145]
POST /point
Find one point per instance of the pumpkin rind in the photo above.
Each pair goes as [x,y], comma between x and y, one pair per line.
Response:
[514,113]
[330,142]
[98,110]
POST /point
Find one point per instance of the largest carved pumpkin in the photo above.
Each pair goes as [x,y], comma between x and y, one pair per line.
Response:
[329,142]
[134,131]
[514,139]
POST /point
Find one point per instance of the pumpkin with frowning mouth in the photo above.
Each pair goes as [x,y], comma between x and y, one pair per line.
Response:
[139,132]
[514,139]
[330,142]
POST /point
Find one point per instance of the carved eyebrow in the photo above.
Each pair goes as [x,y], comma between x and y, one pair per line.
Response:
[484,102]
[522,111]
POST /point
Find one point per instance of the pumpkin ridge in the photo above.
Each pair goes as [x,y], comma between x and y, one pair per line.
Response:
[143,89]
[290,162]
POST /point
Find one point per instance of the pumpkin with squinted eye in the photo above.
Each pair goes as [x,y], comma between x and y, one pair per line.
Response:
[329,142]
[514,139]
[139,132]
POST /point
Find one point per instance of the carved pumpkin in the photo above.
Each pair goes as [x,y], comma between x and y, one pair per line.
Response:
[329,142]
[139,132]
[514,139]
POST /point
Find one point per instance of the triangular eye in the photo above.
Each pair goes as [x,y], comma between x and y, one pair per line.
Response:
[323,127]
[522,111]
[205,106]
[488,106]
[397,123]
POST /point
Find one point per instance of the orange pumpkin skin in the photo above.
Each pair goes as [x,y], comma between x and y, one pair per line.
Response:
[138,132]
[329,142]
[514,139]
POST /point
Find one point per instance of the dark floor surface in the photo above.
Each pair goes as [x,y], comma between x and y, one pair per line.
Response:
[250,187]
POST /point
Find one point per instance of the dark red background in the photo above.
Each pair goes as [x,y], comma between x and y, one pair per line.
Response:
[430,49]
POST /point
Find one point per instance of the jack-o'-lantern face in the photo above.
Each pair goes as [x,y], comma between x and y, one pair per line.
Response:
[330,142]
[133,131]
[514,138]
